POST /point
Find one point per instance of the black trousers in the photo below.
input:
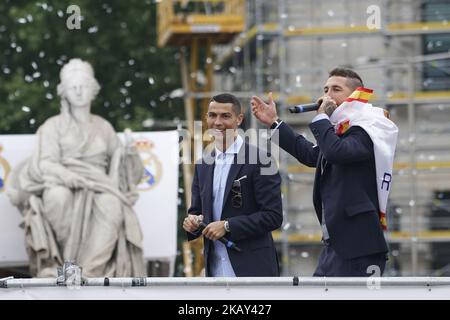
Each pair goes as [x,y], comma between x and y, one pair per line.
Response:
[332,265]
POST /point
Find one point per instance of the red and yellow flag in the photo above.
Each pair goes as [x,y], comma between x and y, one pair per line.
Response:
[360,94]
[356,111]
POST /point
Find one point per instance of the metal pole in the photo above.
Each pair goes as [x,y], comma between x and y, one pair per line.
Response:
[282,57]
[385,75]
[412,171]
[259,55]
[187,152]
[426,282]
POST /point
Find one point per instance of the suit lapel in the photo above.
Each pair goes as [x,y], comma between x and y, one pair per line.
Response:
[323,163]
[317,199]
[209,177]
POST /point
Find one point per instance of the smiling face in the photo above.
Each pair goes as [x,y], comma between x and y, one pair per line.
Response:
[77,90]
[338,89]
[223,122]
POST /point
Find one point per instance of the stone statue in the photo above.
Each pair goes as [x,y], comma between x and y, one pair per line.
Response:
[76,193]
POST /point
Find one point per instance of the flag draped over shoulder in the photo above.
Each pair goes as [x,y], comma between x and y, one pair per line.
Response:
[356,111]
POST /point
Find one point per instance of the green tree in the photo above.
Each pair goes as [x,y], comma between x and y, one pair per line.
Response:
[117,37]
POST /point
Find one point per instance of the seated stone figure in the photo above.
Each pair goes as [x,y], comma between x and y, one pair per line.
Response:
[77,190]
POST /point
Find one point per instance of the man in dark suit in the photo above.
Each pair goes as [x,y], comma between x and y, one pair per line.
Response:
[345,191]
[236,198]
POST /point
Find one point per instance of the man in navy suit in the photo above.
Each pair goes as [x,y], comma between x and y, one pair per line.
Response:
[345,191]
[236,198]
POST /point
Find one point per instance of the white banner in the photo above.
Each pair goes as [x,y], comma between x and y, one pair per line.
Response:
[156,208]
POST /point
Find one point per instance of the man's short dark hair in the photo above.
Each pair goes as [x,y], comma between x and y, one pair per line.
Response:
[353,79]
[229,98]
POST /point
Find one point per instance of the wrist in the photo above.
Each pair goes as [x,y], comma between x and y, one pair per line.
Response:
[226,226]
[275,123]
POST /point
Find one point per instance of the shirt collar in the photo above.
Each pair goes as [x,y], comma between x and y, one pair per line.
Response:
[233,149]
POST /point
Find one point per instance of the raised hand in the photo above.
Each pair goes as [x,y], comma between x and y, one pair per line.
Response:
[264,112]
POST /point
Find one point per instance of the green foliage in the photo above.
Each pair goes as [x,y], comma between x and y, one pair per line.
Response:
[117,37]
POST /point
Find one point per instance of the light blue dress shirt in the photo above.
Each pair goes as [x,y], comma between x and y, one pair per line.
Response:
[220,262]
[320,116]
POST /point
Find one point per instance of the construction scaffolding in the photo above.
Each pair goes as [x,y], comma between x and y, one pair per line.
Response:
[401,50]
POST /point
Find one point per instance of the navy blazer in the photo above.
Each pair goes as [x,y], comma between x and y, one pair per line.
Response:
[346,190]
[250,225]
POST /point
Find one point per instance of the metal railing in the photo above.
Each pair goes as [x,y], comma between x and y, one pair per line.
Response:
[258,289]
[320,282]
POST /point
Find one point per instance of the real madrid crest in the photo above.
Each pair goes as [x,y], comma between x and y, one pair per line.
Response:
[152,165]
[4,170]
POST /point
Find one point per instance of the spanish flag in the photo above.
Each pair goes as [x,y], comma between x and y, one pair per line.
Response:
[356,111]
[361,94]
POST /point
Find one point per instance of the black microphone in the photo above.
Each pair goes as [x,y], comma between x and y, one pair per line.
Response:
[228,243]
[300,108]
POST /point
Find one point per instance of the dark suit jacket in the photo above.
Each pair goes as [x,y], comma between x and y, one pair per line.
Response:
[346,189]
[251,225]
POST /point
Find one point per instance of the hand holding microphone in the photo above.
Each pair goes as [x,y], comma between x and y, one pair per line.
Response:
[194,223]
[216,232]
[267,112]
